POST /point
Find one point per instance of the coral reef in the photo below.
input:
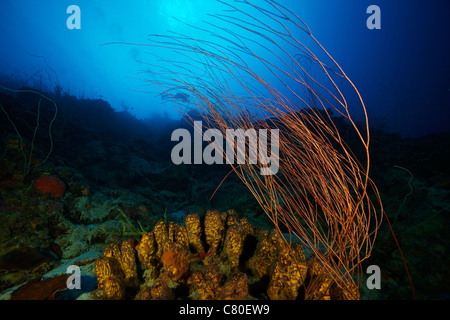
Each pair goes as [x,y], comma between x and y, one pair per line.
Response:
[216,262]
[40,233]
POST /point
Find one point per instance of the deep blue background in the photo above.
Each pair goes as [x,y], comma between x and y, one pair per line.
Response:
[401,70]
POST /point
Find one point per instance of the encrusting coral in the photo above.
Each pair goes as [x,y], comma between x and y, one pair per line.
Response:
[216,262]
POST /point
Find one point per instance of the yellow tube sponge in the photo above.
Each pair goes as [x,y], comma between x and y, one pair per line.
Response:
[234,242]
[214,229]
[287,277]
[193,231]
[109,279]
[206,285]
[162,238]
[112,251]
[161,291]
[128,263]
[235,288]
[146,250]
[265,255]
[321,283]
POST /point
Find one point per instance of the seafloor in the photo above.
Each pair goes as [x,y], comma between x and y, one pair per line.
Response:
[116,179]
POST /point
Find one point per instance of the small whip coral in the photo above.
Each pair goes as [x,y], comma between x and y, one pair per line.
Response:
[51,186]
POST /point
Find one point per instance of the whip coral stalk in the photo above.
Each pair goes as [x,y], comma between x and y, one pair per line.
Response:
[28,158]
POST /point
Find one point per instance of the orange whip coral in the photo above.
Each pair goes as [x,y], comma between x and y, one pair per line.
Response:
[254,78]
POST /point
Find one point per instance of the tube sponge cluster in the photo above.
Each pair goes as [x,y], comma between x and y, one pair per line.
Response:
[217,257]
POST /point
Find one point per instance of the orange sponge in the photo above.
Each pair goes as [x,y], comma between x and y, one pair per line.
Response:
[51,186]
